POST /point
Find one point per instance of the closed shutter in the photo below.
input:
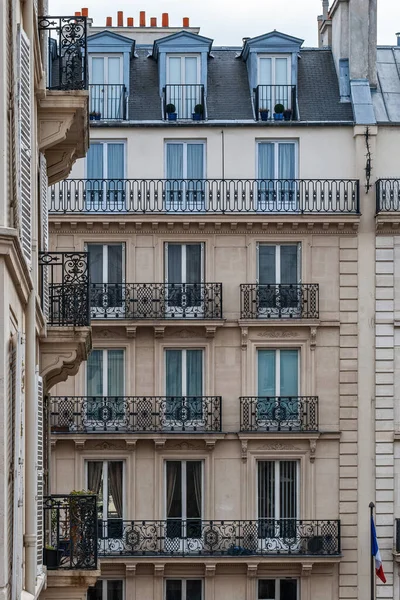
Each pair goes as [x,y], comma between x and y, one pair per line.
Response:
[24,170]
[39,473]
[44,232]
[12,354]
[19,438]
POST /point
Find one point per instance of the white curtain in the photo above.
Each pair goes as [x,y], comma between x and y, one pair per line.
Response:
[286,164]
[115,373]
[94,159]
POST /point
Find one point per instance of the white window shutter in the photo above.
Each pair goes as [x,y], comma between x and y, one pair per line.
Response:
[44,190]
[24,166]
[12,356]
[39,472]
[19,445]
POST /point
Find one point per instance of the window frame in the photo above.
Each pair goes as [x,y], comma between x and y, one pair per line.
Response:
[104,592]
[183,259]
[277,482]
[183,516]
[278,259]
[105,258]
[276,142]
[105,144]
[105,462]
[182,55]
[277,588]
[184,364]
[273,56]
[106,56]
[105,370]
[278,368]
[185,144]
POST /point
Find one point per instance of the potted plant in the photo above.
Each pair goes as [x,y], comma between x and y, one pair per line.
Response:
[287,114]
[171,112]
[52,557]
[264,114]
[97,116]
[278,112]
[198,112]
[92,115]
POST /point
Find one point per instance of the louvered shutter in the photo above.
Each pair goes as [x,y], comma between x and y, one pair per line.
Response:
[19,438]
[12,355]
[44,231]
[24,166]
[39,473]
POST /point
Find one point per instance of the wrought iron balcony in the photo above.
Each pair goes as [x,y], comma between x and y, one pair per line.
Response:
[135,414]
[65,288]
[184,98]
[278,413]
[156,300]
[205,196]
[71,522]
[279,301]
[66,41]
[388,195]
[107,102]
[266,97]
[195,537]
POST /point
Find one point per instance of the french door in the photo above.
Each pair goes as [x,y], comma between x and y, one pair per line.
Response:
[184,505]
[278,278]
[278,504]
[106,86]
[107,277]
[277,589]
[185,176]
[183,89]
[106,408]
[105,172]
[184,289]
[106,589]
[183,589]
[277,187]
[184,389]
[274,78]
[278,389]
[105,478]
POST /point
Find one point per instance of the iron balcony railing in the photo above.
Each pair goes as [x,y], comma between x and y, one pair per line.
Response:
[387,195]
[156,300]
[65,41]
[279,301]
[195,537]
[397,535]
[107,102]
[279,413]
[184,97]
[266,97]
[198,196]
[71,531]
[65,288]
[135,414]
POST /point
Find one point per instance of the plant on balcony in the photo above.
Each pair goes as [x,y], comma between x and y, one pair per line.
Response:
[94,115]
[51,557]
[198,112]
[171,112]
[287,114]
[264,114]
[279,109]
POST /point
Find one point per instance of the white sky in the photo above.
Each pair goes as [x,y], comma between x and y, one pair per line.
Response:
[228,21]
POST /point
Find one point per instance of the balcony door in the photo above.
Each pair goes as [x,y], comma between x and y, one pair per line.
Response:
[184,279]
[106,86]
[184,171]
[274,80]
[278,504]
[105,172]
[184,389]
[183,89]
[184,505]
[106,589]
[278,389]
[105,405]
[107,290]
[183,589]
[106,479]
[277,589]
[278,279]
[277,187]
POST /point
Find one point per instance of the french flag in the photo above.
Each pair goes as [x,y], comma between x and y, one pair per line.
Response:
[376,554]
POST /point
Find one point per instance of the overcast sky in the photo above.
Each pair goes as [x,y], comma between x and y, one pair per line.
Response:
[228,21]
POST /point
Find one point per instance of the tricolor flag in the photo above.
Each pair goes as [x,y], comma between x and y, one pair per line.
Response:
[376,554]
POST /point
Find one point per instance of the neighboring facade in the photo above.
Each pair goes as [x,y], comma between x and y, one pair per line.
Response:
[225,415]
[43,130]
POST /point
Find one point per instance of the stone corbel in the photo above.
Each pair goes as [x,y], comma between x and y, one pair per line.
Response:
[210,570]
[130,331]
[159,570]
[313,340]
[79,445]
[130,570]
[313,448]
[159,331]
[252,570]
[244,450]
[245,333]
[210,331]
[306,569]
[130,445]
[210,445]
[159,444]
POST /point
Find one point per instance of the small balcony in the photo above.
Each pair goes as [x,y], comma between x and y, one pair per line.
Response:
[388,196]
[279,301]
[269,97]
[182,102]
[135,414]
[71,538]
[107,102]
[258,197]
[297,414]
[138,301]
[198,538]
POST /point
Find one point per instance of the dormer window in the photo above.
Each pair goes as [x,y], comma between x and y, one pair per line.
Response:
[183,88]
[274,84]
[107,91]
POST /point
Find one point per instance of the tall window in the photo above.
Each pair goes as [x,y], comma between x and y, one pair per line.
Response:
[184,499]
[276,172]
[278,387]
[106,589]
[184,268]
[278,498]
[277,589]
[106,263]
[185,173]
[105,478]
[274,78]
[184,388]
[278,273]
[106,86]
[105,390]
[183,89]
[184,589]
[105,172]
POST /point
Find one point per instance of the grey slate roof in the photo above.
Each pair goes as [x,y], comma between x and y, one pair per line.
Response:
[228,91]
[318,88]
[386,99]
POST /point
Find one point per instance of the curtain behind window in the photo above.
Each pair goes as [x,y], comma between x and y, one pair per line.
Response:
[266,372]
[173,367]
[94,163]
[115,487]
[96,263]
[174,161]
[286,164]
[289,273]
[266,264]
[95,373]
[289,373]
[115,373]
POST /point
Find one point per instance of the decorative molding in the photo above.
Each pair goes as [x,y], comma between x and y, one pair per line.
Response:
[159,443]
[244,450]
[244,337]
[210,445]
[182,333]
[159,331]
[130,331]
[277,334]
[313,340]
[278,446]
[107,333]
[79,445]
[252,570]
[131,445]
[306,569]
[210,331]
[108,446]
[130,570]
[186,446]
[313,448]
[210,570]
[159,570]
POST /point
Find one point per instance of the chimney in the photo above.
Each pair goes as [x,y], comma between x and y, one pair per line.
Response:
[398,38]
[78,13]
[186,22]
[142,17]
[120,18]
[153,22]
[325,9]
[130,22]
[165,20]
[109,22]
[85,12]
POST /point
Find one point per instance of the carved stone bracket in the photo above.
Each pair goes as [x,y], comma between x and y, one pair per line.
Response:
[130,570]
[306,569]
[252,570]
[313,448]
[159,443]
[210,445]
[244,450]
[210,331]
[131,445]
[130,331]
[159,570]
[313,340]
[80,445]
[210,570]
[245,334]
[159,331]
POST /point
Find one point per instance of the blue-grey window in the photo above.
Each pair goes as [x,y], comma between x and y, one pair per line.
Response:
[277,589]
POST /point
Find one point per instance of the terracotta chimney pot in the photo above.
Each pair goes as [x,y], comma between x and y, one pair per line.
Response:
[130,21]
[120,17]
[142,17]
[165,20]
[153,22]
[109,22]
[85,12]
[186,21]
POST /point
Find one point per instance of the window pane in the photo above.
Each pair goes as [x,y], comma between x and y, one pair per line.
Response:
[193,263]
[115,487]
[266,161]
[288,589]
[195,154]
[265,77]
[266,372]
[289,273]
[266,490]
[94,162]
[190,69]
[281,71]
[115,373]
[266,589]
[193,491]
[266,264]
[97,70]
[96,263]
[194,372]
[114,75]
[174,161]
[115,162]
[94,373]
[114,263]
[289,385]
[174,489]
[286,161]
[174,64]
[288,494]
[193,589]
[173,368]
[114,589]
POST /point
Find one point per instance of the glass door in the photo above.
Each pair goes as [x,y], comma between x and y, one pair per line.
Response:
[184,505]
[278,389]
[107,289]
[106,87]
[183,90]
[184,289]
[184,389]
[105,172]
[183,589]
[185,177]
[277,187]
[278,281]
[106,589]
[106,408]
[274,81]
